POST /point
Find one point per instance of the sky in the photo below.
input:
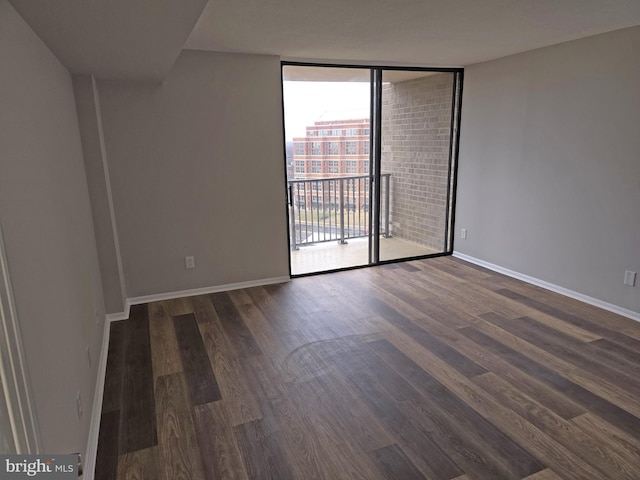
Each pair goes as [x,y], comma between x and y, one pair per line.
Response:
[307,102]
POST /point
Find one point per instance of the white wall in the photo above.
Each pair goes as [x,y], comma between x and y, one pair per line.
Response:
[98,179]
[48,231]
[197,168]
[549,179]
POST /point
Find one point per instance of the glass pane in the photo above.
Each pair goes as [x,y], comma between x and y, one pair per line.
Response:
[326,113]
[415,186]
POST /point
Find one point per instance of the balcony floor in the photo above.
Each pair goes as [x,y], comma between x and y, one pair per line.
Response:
[331,255]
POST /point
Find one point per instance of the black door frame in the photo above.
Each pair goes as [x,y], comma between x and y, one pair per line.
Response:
[375,159]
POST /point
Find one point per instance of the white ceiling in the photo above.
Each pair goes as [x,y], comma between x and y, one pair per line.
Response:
[129,39]
[140,39]
[411,32]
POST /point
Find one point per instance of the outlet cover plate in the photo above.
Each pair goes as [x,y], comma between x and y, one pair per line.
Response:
[629,278]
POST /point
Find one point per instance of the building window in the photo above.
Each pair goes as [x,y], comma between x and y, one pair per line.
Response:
[316,166]
[351,148]
[366,147]
[333,148]
[352,132]
[366,131]
[336,133]
[334,166]
[352,166]
[299,149]
[316,148]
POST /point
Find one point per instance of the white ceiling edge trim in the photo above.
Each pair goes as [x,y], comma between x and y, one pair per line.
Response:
[363,63]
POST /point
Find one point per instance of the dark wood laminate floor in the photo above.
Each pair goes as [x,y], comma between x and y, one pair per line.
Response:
[433,369]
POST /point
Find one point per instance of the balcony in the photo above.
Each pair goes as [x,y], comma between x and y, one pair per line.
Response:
[329,224]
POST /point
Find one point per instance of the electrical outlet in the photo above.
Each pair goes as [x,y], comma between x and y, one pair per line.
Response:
[189,262]
[79,405]
[89,354]
[629,278]
[463,233]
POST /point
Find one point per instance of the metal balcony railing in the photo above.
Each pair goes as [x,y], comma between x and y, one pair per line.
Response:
[333,209]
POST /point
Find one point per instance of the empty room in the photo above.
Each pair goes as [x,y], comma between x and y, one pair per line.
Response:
[320,240]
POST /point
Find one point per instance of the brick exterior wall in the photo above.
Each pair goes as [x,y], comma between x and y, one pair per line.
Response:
[416,117]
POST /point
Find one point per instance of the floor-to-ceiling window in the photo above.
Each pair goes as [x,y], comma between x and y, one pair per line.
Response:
[370,163]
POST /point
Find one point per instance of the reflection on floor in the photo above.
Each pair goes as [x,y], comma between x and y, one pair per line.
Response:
[331,255]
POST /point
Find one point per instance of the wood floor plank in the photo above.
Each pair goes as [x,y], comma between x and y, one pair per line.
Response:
[179,456]
[138,420]
[165,355]
[439,307]
[518,462]
[178,306]
[112,398]
[586,380]
[326,397]
[217,444]
[540,445]
[282,418]
[281,317]
[203,310]
[605,332]
[239,297]
[263,454]
[614,438]
[547,396]
[495,302]
[263,332]
[577,393]
[203,386]
[396,465]
[438,463]
[589,448]
[285,295]
[107,454]
[574,307]
[234,325]
[569,349]
[139,465]
[461,363]
[546,474]
[346,458]
[235,393]
[624,355]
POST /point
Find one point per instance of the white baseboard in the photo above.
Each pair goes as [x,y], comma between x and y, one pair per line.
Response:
[203,291]
[550,286]
[113,317]
[89,466]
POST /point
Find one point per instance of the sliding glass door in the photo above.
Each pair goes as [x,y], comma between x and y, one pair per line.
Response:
[416,142]
[370,164]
